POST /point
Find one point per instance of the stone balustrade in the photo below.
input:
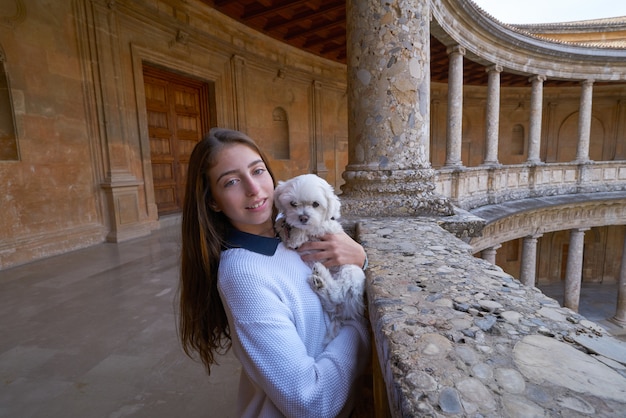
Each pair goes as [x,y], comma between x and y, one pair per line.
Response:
[455,335]
[473,187]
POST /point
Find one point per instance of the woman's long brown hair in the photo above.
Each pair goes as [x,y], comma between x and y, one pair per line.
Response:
[203,326]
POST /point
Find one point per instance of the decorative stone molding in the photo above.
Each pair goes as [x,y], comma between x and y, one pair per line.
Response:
[181,38]
[566,212]
[404,193]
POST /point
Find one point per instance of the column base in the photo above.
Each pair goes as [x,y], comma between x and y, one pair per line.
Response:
[617,321]
[123,210]
[392,193]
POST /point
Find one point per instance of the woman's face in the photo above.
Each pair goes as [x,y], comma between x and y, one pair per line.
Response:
[243,189]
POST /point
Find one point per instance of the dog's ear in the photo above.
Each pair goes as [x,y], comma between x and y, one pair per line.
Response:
[334,204]
[278,191]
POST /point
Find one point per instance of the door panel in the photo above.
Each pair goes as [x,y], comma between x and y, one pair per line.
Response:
[178,112]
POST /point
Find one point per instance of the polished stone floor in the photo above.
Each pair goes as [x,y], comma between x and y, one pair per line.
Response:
[92,333]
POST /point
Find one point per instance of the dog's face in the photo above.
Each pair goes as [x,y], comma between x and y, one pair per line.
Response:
[306,201]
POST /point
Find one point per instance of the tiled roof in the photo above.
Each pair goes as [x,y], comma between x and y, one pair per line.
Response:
[543,30]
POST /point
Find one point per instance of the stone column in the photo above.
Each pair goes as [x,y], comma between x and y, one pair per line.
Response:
[536,110]
[584,121]
[620,313]
[574,269]
[454,132]
[528,269]
[389,171]
[489,254]
[492,117]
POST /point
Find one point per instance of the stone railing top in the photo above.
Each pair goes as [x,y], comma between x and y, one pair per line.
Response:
[455,335]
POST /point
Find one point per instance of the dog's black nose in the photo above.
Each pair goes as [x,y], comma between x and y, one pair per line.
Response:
[304,219]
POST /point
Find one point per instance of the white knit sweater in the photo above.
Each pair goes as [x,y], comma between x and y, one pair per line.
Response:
[278,326]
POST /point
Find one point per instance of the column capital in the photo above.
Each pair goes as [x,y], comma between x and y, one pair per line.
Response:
[587,82]
[494,68]
[455,49]
[537,77]
[535,236]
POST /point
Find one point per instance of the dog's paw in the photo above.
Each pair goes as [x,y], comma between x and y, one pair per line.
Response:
[317,278]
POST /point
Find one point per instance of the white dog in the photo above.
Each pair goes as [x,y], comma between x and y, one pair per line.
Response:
[310,209]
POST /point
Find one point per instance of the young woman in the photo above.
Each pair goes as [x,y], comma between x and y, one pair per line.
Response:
[241,287]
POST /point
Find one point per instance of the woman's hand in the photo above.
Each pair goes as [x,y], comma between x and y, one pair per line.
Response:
[333,250]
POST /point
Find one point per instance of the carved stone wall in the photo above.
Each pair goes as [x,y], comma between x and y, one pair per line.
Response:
[85,172]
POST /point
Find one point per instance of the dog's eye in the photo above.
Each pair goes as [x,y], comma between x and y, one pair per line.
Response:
[315,204]
[293,204]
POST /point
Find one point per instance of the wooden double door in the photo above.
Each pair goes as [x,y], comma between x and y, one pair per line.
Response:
[179,112]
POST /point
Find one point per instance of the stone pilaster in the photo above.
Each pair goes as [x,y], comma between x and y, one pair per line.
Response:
[536,110]
[454,132]
[528,269]
[492,115]
[389,172]
[121,187]
[584,121]
[620,312]
[317,140]
[238,73]
[573,274]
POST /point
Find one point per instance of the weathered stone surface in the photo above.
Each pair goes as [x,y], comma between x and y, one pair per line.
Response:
[458,336]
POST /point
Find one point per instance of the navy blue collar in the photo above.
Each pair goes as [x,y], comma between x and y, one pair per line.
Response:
[251,242]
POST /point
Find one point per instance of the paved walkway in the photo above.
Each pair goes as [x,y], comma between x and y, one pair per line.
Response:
[92,334]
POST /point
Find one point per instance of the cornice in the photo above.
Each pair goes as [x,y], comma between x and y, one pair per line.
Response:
[489,42]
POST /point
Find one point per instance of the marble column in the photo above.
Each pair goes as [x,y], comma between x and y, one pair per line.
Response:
[574,269]
[584,121]
[489,254]
[528,269]
[492,115]
[388,71]
[454,132]
[620,313]
[536,110]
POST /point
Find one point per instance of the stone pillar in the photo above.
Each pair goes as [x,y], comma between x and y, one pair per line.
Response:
[528,269]
[534,131]
[574,269]
[454,132]
[584,121]
[489,254]
[389,171]
[620,313]
[492,115]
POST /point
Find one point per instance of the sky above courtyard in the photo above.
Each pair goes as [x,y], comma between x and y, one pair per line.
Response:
[550,11]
